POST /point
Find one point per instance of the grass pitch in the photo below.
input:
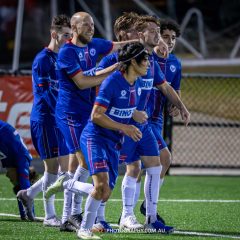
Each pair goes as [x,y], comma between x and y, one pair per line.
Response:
[198,207]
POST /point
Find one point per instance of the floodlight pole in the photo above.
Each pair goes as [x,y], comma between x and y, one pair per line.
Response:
[18,34]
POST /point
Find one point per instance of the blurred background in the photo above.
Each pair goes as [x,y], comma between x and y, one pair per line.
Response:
[210,55]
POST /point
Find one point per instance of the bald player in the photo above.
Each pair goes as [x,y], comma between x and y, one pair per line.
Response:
[77,81]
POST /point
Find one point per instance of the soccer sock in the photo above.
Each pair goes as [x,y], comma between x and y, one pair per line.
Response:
[151,190]
[35,188]
[78,187]
[128,191]
[80,175]
[90,213]
[137,194]
[101,212]
[67,203]
[49,208]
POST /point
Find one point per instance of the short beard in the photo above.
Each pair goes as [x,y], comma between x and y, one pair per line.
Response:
[83,40]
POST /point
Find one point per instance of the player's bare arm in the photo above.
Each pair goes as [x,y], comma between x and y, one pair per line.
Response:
[84,82]
[173,97]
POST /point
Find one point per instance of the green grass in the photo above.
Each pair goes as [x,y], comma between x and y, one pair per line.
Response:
[204,217]
[215,97]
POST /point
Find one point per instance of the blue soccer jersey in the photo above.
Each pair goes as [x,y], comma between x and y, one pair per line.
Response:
[71,60]
[172,70]
[14,154]
[120,99]
[45,86]
[99,145]
[108,61]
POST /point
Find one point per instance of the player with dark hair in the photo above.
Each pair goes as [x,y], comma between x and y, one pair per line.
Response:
[46,137]
[76,72]
[102,137]
[171,67]
[16,159]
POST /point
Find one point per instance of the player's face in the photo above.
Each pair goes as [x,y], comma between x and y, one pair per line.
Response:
[85,29]
[131,34]
[142,67]
[63,36]
[12,175]
[151,35]
[169,37]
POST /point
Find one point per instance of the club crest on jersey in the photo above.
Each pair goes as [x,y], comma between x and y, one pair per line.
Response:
[80,55]
[92,51]
[172,68]
[139,91]
[123,94]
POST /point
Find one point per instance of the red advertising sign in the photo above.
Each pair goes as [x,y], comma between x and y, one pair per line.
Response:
[16,104]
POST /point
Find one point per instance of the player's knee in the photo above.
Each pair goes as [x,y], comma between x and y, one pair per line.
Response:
[166,158]
[101,189]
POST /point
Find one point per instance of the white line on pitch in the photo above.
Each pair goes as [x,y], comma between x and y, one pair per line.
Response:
[176,232]
[140,200]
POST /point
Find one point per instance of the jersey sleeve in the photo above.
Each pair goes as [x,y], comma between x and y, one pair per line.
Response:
[159,77]
[104,46]
[105,93]
[177,79]
[41,67]
[107,61]
[67,62]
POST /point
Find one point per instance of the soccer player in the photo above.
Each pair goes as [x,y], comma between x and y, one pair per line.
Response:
[16,159]
[102,137]
[149,32]
[46,137]
[75,66]
[171,67]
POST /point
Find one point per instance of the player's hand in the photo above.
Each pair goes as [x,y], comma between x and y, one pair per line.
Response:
[140,116]
[162,49]
[185,116]
[132,131]
[173,111]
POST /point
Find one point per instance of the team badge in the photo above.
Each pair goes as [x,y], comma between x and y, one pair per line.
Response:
[80,55]
[172,68]
[92,51]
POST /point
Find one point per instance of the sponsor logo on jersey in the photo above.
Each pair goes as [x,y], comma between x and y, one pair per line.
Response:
[172,68]
[123,94]
[147,83]
[92,51]
[122,112]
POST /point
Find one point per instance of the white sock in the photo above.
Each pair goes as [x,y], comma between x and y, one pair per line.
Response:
[101,212]
[128,192]
[49,207]
[67,203]
[78,187]
[90,213]
[80,175]
[35,188]
[151,190]
[137,194]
